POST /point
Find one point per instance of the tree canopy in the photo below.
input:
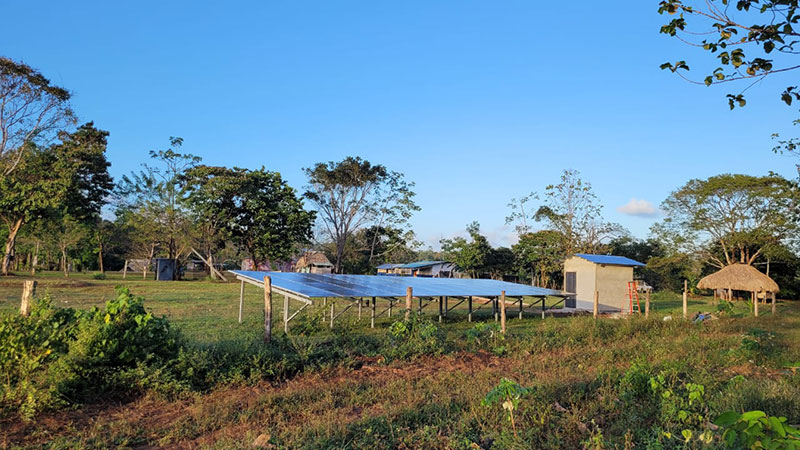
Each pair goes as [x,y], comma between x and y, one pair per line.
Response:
[354,193]
[32,112]
[260,212]
[743,214]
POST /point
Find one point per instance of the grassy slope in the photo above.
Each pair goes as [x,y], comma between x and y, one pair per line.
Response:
[430,402]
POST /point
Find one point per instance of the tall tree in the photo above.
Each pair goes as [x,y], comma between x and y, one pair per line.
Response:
[160,190]
[259,211]
[71,176]
[540,254]
[744,214]
[353,193]
[572,209]
[470,255]
[32,112]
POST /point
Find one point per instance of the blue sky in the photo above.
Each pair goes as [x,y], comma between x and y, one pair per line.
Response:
[475,101]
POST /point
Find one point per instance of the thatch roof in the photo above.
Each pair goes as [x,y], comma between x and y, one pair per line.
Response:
[739,277]
[312,258]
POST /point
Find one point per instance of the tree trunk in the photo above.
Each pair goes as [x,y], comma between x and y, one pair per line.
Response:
[64,261]
[35,259]
[100,258]
[211,271]
[11,241]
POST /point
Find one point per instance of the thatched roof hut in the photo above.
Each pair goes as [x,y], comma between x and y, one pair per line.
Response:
[739,277]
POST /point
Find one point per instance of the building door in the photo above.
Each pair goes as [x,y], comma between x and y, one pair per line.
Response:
[570,284]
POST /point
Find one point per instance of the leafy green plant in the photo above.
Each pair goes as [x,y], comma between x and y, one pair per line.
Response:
[99,276]
[487,335]
[756,430]
[508,393]
[414,336]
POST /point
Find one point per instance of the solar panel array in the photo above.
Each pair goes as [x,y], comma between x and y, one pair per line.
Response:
[316,285]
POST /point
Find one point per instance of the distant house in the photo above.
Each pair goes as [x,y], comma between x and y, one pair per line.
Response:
[607,275]
[387,269]
[431,269]
[313,262]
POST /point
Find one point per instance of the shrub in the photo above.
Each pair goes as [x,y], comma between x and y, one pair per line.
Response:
[414,337]
[27,346]
[487,336]
[99,276]
[59,356]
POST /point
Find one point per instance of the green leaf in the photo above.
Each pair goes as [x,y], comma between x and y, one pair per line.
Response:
[726,419]
[753,415]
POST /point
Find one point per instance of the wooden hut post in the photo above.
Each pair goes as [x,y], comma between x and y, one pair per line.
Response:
[596,303]
[520,307]
[28,291]
[267,308]
[755,304]
[647,304]
[685,299]
[503,312]
[441,303]
[409,298]
[469,306]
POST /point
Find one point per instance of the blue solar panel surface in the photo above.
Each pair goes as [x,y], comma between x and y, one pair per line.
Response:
[327,285]
[609,259]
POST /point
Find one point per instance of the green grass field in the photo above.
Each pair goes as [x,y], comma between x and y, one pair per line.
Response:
[585,379]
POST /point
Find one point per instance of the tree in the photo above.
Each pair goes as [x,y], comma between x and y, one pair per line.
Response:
[764,30]
[500,262]
[754,42]
[744,214]
[470,255]
[540,254]
[353,193]
[257,209]
[573,210]
[159,192]
[522,214]
[32,112]
[71,176]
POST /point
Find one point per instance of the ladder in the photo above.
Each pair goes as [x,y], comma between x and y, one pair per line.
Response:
[633,293]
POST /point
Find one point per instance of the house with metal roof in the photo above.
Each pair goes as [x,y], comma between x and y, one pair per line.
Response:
[387,269]
[608,276]
[429,269]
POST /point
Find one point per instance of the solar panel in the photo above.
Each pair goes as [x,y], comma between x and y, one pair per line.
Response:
[332,285]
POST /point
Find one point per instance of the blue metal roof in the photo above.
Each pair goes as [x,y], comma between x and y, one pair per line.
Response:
[388,266]
[609,259]
[421,264]
[316,285]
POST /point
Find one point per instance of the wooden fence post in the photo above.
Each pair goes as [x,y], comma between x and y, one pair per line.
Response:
[372,317]
[267,308]
[685,299]
[125,270]
[503,312]
[28,291]
[596,303]
[241,300]
[647,304]
[409,297]
[773,303]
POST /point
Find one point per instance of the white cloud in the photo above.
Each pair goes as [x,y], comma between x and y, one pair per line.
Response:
[639,208]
